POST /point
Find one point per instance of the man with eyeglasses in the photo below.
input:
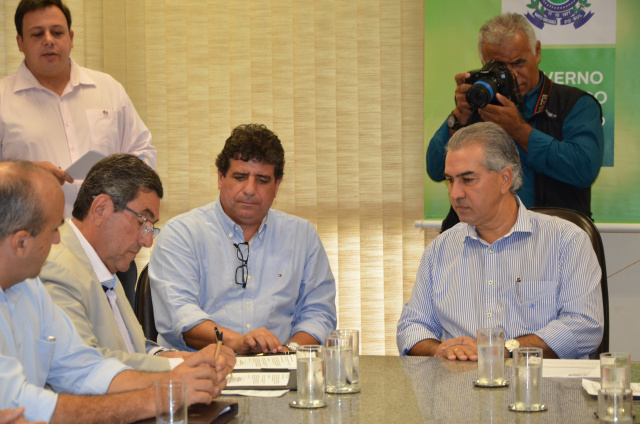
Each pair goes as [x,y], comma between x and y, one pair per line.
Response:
[113,218]
[47,372]
[260,276]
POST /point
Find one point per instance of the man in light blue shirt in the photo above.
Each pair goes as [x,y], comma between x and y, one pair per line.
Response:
[260,276]
[534,275]
[38,342]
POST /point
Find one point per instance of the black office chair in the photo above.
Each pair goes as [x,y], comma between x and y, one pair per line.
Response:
[144,306]
[585,223]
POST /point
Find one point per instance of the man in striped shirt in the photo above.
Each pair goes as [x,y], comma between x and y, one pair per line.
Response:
[503,266]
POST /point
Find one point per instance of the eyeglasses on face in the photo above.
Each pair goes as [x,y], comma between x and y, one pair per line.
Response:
[146,226]
[242,271]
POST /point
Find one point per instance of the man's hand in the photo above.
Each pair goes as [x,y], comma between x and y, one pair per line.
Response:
[462,348]
[56,171]
[205,376]
[259,340]
[14,416]
[508,117]
[463,111]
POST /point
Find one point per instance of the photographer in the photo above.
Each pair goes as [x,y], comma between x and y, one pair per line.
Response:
[559,133]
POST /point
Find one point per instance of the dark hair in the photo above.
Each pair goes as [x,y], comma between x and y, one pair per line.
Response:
[120,177]
[499,148]
[252,142]
[20,206]
[27,6]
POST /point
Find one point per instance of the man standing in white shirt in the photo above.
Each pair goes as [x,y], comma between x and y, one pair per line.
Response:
[53,111]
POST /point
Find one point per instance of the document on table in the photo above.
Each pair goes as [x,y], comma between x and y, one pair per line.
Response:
[266,362]
[258,379]
[592,388]
[254,393]
[572,368]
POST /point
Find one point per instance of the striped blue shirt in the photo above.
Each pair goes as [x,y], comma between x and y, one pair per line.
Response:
[541,278]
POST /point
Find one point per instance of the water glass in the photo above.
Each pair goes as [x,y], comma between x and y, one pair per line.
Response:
[615,370]
[491,357]
[310,375]
[615,405]
[338,358]
[171,402]
[355,344]
[527,381]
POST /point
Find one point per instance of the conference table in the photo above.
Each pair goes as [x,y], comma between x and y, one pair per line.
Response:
[430,390]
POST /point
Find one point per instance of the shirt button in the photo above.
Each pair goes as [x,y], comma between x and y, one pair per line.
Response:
[248,277]
[491,250]
[230,235]
[489,314]
[248,325]
[248,304]
[490,282]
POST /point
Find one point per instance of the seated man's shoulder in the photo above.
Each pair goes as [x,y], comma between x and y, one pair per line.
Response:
[554,225]
[190,219]
[291,223]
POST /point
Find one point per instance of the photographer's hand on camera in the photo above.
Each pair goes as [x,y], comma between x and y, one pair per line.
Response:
[463,111]
[508,117]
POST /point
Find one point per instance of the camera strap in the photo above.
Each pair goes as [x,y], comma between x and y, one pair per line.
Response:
[541,104]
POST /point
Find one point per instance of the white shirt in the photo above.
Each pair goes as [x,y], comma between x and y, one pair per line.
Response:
[93,113]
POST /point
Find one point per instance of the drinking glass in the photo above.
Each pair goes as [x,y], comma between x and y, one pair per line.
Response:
[527,381]
[310,377]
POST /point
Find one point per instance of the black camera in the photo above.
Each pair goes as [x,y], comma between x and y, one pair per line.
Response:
[493,78]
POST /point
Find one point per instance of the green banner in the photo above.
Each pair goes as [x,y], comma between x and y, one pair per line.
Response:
[609,72]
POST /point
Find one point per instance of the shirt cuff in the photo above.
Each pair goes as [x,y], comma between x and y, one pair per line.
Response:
[174,362]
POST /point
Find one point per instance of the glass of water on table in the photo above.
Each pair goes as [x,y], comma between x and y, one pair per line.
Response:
[310,377]
[526,382]
[491,358]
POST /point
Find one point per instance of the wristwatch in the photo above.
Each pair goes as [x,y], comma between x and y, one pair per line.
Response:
[293,346]
[510,345]
[453,123]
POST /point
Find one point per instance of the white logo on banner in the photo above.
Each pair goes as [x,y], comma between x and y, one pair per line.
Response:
[568,21]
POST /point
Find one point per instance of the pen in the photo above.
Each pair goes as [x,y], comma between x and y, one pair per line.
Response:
[218,343]
[518,280]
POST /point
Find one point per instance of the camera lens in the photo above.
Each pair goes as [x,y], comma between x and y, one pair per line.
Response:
[481,93]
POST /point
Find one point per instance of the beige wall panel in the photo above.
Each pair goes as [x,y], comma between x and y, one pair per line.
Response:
[340,82]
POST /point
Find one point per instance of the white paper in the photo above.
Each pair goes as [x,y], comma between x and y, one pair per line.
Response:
[281,362]
[571,368]
[592,387]
[255,393]
[80,168]
[257,379]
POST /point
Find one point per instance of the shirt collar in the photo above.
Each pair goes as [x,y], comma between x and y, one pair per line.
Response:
[522,225]
[25,80]
[104,276]
[233,230]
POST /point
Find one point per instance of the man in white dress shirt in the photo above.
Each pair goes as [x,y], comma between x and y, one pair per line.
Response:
[53,111]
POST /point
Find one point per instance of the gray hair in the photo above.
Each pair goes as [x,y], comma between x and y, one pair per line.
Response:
[499,149]
[120,177]
[503,28]
[20,206]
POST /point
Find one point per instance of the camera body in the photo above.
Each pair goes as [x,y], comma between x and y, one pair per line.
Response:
[493,78]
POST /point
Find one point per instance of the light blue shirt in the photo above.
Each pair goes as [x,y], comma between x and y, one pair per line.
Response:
[542,278]
[28,360]
[193,277]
